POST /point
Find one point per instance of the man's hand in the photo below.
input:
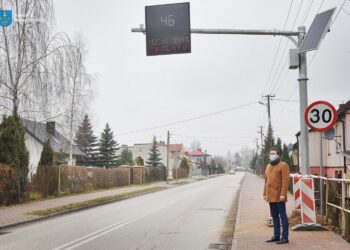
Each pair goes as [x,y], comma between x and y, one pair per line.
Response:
[282,198]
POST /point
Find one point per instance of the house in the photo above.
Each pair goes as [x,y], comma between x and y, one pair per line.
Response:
[196,158]
[36,134]
[343,114]
[176,152]
[336,152]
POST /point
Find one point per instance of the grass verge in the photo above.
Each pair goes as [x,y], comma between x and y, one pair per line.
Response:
[89,203]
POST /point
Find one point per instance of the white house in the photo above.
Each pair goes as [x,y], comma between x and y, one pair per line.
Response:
[176,152]
[197,157]
[36,134]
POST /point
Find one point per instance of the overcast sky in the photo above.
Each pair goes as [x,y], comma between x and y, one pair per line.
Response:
[134,92]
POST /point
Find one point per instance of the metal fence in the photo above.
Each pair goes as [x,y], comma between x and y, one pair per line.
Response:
[336,202]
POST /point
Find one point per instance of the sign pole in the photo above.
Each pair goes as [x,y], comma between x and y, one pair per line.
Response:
[304,131]
[321,175]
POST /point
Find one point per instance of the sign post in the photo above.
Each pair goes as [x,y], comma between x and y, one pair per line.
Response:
[321,116]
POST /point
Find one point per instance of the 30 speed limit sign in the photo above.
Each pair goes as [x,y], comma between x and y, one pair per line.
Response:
[320,116]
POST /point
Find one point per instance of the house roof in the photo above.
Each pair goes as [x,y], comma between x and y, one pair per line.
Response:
[343,108]
[59,143]
[197,153]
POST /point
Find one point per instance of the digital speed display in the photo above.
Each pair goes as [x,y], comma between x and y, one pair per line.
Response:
[168,29]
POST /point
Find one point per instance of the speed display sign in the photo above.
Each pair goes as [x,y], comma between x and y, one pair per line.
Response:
[320,116]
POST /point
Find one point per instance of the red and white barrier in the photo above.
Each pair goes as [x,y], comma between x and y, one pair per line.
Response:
[308,209]
[296,191]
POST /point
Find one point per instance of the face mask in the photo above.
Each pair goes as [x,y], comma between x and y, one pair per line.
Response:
[273,157]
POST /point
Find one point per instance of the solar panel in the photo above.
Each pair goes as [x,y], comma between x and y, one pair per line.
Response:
[317,31]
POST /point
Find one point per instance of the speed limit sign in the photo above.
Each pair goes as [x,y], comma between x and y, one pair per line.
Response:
[320,116]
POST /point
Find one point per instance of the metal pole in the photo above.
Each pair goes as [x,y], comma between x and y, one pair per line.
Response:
[170,174]
[304,132]
[262,151]
[235,32]
[321,175]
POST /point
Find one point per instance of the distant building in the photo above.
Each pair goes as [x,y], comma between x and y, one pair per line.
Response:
[36,134]
[176,152]
[198,159]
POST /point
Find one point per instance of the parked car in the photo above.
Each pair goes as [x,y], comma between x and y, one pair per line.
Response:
[232,171]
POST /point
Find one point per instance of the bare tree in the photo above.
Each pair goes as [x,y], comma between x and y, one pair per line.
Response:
[32,60]
[195,145]
[25,47]
[40,71]
[77,85]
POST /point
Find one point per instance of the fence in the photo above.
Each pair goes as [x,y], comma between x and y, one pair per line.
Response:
[336,202]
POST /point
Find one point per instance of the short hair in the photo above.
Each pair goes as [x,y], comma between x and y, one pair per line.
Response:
[277,150]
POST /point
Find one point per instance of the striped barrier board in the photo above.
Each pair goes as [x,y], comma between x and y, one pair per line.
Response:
[308,211]
[296,191]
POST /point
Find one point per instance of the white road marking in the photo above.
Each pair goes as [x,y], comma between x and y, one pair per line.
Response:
[92,236]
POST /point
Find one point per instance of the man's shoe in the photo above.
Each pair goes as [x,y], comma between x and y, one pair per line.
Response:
[273,239]
[283,241]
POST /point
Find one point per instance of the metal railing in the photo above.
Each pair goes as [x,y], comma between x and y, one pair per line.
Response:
[342,193]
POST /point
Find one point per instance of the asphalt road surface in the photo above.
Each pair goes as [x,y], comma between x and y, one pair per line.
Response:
[186,217]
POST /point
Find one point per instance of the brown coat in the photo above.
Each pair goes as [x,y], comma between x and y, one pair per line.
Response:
[276,182]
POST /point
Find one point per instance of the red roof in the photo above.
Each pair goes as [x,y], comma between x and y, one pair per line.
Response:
[196,153]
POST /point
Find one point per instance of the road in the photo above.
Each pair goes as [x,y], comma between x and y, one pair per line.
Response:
[186,217]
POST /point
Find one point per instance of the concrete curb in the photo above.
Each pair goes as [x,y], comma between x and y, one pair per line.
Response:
[234,244]
[77,209]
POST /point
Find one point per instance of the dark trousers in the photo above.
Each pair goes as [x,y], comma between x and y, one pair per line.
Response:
[279,214]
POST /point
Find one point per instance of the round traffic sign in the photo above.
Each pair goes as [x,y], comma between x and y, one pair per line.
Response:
[320,116]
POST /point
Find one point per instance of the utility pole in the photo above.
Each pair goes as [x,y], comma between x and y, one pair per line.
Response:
[269,97]
[170,172]
[262,148]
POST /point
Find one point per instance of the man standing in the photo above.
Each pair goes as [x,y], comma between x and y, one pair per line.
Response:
[275,193]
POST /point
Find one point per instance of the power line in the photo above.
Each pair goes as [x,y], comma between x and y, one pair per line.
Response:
[279,46]
[307,12]
[215,142]
[313,57]
[341,7]
[188,120]
[285,47]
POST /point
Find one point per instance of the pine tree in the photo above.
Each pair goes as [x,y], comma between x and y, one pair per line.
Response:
[14,152]
[285,155]
[107,149]
[87,142]
[126,157]
[46,158]
[184,164]
[154,155]
[43,177]
[269,143]
[139,161]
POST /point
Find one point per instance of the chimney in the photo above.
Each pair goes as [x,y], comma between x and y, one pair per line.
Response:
[51,128]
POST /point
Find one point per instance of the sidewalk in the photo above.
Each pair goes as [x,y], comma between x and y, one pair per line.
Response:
[18,214]
[251,230]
